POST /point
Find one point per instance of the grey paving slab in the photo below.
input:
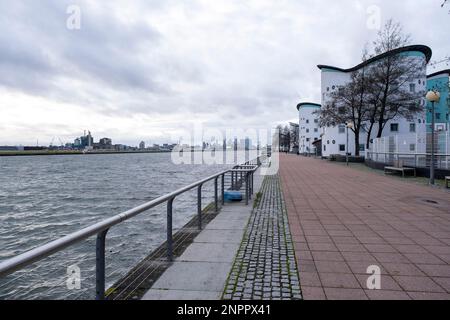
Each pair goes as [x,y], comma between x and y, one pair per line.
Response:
[194,276]
[226,224]
[210,252]
[201,272]
[155,294]
[220,236]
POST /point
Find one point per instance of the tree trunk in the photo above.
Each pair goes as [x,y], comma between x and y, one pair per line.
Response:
[380,126]
[369,133]
[356,143]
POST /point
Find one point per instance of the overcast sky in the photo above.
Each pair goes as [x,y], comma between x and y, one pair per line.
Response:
[145,69]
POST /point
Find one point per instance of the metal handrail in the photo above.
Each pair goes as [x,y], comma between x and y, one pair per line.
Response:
[409,154]
[441,160]
[101,228]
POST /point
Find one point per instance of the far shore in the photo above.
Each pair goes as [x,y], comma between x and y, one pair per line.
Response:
[69,153]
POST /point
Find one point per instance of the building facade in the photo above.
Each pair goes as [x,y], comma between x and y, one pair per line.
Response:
[440,81]
[334,139]
[309,129]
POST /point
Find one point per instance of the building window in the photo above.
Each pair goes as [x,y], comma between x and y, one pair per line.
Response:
[342,147]
[412,147]
[307,121]
[316,120]
[307,139]
[341,128]
[328,88]
[324,148]
[412,87]
[362,147]
[307,130]
[334,141]
[334,87]
[420,121]
[394,127]
[316,130]
[438,116]
[412,127]
[315,139]
[328,141]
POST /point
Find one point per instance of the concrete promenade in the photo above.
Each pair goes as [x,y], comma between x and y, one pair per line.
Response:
[344,220]
[201,272]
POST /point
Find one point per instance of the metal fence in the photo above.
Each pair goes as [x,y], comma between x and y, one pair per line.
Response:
[412,150]
[416,160]
[241,176]
[413,143]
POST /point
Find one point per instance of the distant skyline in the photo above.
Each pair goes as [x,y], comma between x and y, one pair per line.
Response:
[146,70]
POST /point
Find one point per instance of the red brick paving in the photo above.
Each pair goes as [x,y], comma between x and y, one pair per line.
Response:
[344,220]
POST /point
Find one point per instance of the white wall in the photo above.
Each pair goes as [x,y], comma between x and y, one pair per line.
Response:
[309,130]
[332,139]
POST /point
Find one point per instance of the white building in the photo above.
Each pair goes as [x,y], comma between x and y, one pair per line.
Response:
[334,138]
[309,130]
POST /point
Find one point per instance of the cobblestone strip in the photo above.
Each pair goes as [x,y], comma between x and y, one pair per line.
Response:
[265,266]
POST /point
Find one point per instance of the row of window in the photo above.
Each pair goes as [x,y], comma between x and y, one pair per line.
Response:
[307,120]
[394,127]
[315,130]
[412,87]
[362,147]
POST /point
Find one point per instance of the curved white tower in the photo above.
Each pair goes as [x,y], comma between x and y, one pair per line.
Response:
[334,138]
[309,130]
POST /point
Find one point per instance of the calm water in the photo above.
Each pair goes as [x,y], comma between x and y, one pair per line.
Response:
[44,198]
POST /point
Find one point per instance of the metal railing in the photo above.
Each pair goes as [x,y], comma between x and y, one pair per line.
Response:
[416,160]
[241,174]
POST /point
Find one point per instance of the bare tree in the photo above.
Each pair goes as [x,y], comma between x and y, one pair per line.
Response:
[390,79]
[283,137]
[348,105]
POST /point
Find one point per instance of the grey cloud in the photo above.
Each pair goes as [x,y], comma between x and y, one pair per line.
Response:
[232,62]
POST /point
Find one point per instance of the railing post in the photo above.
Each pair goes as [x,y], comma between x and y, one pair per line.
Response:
[199,206]
[100,266]
[246,188]
[169,230]
[232,180]
[223,189]
[216,194]
[252,181]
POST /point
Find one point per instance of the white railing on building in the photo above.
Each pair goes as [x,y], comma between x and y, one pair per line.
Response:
[412,150]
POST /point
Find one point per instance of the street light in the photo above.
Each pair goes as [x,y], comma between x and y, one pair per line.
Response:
[433,96]
[348,125]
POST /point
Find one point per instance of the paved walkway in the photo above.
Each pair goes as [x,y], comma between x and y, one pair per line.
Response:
[201,272]
[265,266]
[344,220]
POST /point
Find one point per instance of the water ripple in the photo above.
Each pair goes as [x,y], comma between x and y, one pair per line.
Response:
[44,198]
